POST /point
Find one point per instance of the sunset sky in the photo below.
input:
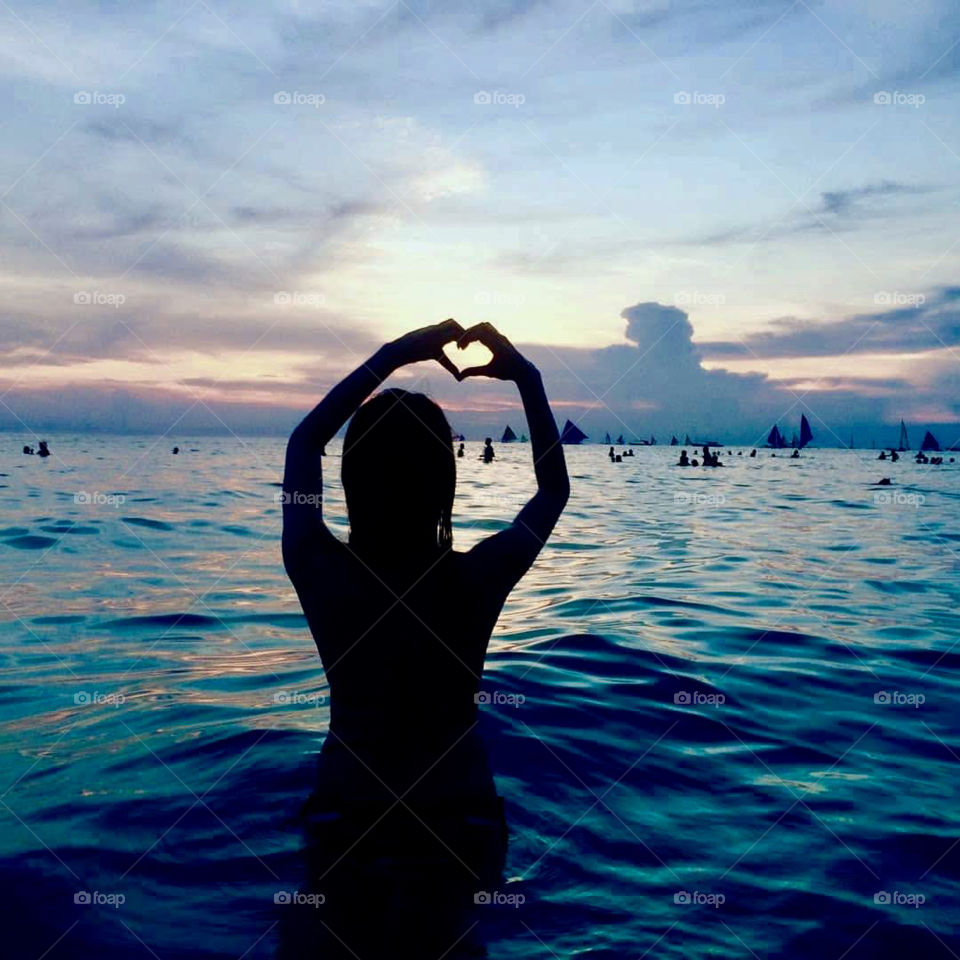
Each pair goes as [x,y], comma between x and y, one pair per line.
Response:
[694,216]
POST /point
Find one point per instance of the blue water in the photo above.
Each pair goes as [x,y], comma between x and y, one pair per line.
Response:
[723,709]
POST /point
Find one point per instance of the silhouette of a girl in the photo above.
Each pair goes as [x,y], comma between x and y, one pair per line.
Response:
[402,620]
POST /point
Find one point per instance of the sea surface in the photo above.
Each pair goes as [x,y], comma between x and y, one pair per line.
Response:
[723,705]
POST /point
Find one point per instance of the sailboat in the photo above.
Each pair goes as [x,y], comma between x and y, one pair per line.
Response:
[904,442]
[775,439]
[687,440]
[523,438]
[571,433]
[653,440]
[508,435]
[674,442]
[930,442]
[620,439]
[606,439]
[806,434]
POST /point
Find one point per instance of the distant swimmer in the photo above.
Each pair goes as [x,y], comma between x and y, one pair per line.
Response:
[43,450]
[884,482]
[460,450]
[175,451]
[488,454]
[894,456]
[694,463]
[612,454]
[28,450]
[921,457]
[710,459]
[883,455]
[753,453]
[629,453]
[684,460]
[618,459]
[795,455]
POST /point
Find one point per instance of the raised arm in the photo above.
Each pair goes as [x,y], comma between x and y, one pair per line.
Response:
[506,556]
[303,527]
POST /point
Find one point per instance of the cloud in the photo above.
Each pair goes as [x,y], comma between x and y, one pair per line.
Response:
[931,324]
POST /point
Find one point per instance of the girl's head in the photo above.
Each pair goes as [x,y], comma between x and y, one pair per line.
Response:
[399,473]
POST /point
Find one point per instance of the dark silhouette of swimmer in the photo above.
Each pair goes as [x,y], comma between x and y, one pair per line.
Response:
[884,482]
[684,460]
[894,456]
[612,454]
[618,459]
[488,454]
[43,450]
[405,824]
[694,462]
[460,450]
[795,455]
[753,453]
[883,455]
[28,450]
[176,450]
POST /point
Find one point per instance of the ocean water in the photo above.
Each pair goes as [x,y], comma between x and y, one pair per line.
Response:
[723,705]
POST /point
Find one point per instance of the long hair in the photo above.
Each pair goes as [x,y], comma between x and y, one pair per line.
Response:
[399,471]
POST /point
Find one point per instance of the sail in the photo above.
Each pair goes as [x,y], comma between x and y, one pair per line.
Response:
[929,442]
[571,433]
[606,438]
[775,438]
[688,441]
[508,435]
[674,442]
[904,442]
[653,440]
[620,439]
[806,434]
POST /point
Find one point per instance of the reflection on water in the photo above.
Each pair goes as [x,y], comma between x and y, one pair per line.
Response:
[720,712]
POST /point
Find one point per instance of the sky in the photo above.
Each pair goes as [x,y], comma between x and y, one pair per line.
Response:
[695,217]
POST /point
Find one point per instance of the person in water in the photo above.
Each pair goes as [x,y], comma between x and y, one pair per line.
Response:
[401,621]
[684,460]
[28,450]
[43,450]
[488,454]
[612,454]
[460,450]
[753,453]
[795,455]
[883,455]
[894,456]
